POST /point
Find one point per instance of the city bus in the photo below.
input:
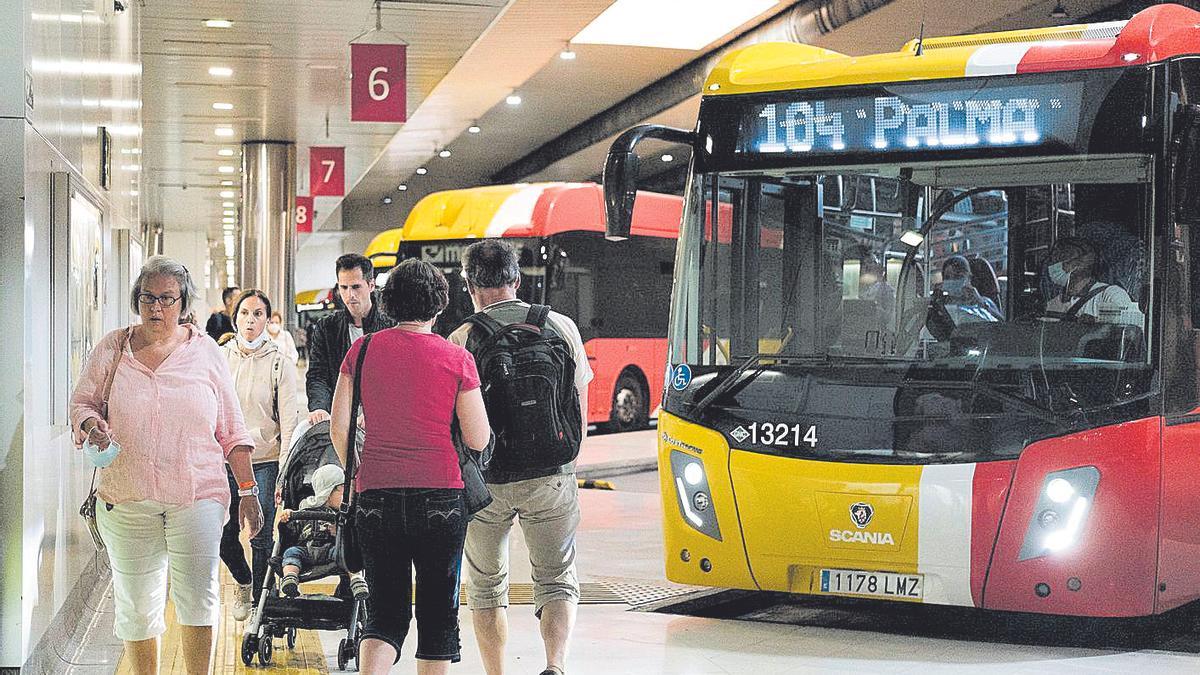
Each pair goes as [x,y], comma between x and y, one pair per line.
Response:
[618,295]
[943,348]
[312,306]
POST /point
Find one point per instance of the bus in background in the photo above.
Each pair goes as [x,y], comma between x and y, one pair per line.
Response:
[311,306]
[618,293]
[949,352]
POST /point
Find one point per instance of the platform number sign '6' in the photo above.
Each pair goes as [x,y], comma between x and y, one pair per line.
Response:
[377,83]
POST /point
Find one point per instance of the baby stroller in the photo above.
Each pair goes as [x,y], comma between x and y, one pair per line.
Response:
[276,615]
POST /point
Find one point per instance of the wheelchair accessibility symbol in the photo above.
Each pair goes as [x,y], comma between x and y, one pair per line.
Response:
[681,377]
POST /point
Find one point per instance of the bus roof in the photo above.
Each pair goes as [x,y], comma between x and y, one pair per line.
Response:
[526,210]
[382,249]
[1152,35]
[315,296]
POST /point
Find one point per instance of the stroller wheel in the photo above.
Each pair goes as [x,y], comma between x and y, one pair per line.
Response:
[249,647]
[291,638]
[345,652]
[264,650]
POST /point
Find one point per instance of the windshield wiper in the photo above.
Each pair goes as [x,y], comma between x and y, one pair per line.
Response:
[735,376]
[1027,406]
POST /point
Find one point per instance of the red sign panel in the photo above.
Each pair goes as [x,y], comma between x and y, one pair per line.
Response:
[304,214]
[377,84]
[326,172]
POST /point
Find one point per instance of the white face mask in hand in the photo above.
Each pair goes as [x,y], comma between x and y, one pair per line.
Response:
[100,458]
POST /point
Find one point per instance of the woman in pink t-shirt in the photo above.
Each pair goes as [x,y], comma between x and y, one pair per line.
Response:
[410,512]
[173,413]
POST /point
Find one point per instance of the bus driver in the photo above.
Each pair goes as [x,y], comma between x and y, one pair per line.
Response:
[1078,295]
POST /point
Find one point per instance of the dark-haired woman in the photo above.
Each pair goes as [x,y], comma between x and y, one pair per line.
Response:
[265,381]
[410,511]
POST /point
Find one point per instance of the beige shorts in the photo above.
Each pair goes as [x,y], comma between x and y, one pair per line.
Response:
[548,512]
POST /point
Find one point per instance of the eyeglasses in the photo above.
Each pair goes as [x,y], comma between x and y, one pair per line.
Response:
[164,300]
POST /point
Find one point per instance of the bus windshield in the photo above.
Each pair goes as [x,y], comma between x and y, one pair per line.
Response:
[964,289]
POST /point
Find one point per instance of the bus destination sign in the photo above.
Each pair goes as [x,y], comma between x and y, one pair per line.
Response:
[908,117]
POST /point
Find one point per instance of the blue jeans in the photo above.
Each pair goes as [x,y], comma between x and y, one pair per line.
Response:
[232,553]
[302,557]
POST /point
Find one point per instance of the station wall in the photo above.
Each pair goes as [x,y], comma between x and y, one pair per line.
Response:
[70,232]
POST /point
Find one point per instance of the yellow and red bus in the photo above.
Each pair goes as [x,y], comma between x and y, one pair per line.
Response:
[850,412]
[618,295]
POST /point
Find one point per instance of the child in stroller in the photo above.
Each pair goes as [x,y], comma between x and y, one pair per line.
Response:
[317,537]
[276,614]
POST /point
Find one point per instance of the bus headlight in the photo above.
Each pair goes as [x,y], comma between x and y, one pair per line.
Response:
[693,494]
[1062,508]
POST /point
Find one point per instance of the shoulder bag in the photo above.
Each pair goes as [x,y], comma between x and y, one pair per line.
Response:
[472,465]
[88,509]
[346,546]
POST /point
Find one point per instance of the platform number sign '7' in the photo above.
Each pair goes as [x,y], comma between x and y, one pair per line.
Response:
[326,172]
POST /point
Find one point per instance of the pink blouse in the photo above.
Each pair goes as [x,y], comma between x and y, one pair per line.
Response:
[175,425]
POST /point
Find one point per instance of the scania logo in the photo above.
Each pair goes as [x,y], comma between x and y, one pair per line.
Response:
[861,513]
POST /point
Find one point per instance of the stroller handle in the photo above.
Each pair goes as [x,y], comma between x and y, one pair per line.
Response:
[314,515]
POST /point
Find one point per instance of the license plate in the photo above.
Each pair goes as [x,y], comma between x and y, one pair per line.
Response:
[873,584]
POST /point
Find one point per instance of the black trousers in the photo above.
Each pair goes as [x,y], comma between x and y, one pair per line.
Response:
[413,528]
[232,554]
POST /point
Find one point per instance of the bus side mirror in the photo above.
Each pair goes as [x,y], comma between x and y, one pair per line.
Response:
[621,174]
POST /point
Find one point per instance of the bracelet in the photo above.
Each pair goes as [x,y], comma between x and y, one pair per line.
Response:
[247,484]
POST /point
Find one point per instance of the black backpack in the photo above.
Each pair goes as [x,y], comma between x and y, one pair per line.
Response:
[527,373]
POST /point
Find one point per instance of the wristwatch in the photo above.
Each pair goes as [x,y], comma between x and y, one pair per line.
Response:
[248,492]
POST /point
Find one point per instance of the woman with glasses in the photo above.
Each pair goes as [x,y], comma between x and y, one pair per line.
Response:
[265,380]
[171,412]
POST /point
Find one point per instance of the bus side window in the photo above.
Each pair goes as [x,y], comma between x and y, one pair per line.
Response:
[1182,327]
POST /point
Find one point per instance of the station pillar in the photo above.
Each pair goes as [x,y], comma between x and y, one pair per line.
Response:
[266,249]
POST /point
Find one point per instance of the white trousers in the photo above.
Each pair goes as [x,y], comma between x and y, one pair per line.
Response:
[150,541]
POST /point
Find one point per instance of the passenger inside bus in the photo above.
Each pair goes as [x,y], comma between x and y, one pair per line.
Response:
[1073,270]
[957,300]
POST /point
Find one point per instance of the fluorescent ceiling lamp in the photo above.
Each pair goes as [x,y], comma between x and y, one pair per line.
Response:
[513,99]
[222,106]
[223,131]
[473,129]
[226,169]
[131,151]
[220,71]
[227,183]
[227,194]
[421,171]
[218,23]
[228,205]
[227,220]
[444,154]
[693,24]
[225,152]
[229,212]
[402,187]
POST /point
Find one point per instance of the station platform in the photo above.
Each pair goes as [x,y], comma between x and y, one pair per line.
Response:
[632,620]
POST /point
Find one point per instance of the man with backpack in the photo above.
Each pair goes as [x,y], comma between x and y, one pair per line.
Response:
[535,376]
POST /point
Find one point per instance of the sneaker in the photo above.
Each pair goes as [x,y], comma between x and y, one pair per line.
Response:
[358,586]
[290,585]
[243,600]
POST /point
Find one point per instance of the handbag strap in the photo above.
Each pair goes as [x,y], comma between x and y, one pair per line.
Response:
[112,373]
[355,401]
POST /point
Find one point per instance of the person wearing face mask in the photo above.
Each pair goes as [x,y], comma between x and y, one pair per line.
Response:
[1078,295]
[956,301]
[266,384]
[282,338]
